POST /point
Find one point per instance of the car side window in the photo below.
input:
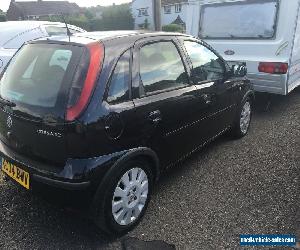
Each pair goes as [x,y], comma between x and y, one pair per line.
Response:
[119,83]
[207,66]
[161,67]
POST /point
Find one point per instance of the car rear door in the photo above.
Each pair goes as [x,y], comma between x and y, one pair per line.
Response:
[164,98]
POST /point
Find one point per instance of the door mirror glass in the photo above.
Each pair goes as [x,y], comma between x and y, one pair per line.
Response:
[239,70]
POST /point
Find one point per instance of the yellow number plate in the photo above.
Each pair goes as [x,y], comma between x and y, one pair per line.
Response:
[16,173]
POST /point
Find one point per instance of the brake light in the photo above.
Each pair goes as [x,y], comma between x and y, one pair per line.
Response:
[82,94]
[273,67]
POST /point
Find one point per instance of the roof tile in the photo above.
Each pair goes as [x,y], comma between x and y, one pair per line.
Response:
[169,2]
[47,8]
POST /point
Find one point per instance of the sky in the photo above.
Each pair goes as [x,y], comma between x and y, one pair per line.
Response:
[4,4]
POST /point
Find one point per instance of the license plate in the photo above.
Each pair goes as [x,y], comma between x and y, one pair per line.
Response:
[16,173]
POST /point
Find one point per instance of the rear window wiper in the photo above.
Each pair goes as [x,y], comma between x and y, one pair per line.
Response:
[6,102]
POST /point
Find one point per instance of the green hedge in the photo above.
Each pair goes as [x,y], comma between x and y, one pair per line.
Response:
[172,28]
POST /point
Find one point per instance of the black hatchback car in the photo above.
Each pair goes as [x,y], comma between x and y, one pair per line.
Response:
[107,112]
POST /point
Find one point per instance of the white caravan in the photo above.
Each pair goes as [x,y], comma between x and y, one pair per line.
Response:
[263,33]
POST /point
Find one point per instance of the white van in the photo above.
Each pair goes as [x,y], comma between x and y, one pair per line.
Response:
[263,33]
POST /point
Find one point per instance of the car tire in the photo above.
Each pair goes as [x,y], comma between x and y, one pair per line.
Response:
[243,119]
[121,201]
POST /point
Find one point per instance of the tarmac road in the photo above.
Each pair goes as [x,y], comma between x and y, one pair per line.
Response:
[248,186]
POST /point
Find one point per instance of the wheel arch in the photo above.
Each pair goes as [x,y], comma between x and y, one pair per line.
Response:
[249,94]
[97,207]
[132,154]
[144,153]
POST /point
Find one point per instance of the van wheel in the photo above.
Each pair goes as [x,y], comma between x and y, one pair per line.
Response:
[120,207]
[243,120]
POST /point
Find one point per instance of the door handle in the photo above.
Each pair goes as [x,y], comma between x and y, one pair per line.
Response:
[207,98]
[155,117]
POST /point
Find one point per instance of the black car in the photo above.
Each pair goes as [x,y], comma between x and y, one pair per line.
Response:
[107,112]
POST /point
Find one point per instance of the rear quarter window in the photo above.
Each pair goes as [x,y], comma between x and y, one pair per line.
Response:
[119,83]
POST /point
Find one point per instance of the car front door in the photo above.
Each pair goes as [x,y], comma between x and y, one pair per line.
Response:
[208,74]
[164,99]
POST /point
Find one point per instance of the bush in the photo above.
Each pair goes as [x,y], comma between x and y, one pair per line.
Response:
[172,28]
[116,17]
[2,18]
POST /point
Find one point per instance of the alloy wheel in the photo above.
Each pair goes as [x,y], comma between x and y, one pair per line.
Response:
[245,117]
[130,196]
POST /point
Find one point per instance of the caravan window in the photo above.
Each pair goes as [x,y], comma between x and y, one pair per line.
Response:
[251,19]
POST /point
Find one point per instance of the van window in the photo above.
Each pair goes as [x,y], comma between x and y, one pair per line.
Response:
[251,19]
[207,66]
[119,84]
[161,67]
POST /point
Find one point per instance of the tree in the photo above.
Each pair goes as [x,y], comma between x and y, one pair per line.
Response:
[146,24]
[116,17]
[2,16]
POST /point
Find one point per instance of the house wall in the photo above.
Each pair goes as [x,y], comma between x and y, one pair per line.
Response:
[165,18]
[138,4]
[169,18]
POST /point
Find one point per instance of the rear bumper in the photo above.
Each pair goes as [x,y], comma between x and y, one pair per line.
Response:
[61,184]
[76,174]
[275,84]
[47,174]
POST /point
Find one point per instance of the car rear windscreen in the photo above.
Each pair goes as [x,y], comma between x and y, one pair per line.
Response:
[39,77]
[251,19]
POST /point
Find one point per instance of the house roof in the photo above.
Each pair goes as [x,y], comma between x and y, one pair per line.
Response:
[40,8]
[178,21]
[170,2]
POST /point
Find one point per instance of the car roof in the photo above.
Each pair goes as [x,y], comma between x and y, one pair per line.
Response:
[87,37]
[107,35]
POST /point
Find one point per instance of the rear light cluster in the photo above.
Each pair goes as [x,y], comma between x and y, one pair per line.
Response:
[273,67]
[84,80]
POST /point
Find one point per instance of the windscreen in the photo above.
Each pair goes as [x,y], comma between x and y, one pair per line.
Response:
[39,77]
[250,19]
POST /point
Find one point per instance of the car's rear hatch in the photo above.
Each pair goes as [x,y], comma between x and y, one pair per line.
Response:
[39,94]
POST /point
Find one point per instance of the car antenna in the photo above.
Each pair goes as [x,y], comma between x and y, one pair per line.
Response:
[69,34]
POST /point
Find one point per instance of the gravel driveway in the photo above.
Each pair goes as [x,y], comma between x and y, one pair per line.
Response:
[230,187]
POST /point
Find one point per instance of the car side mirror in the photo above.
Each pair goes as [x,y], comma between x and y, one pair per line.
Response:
[238,70]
